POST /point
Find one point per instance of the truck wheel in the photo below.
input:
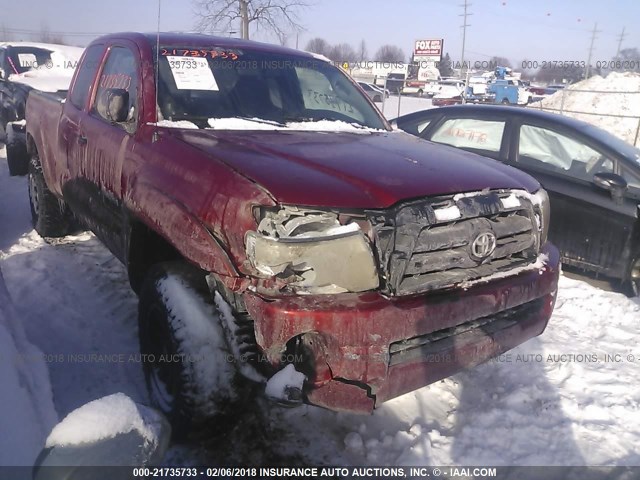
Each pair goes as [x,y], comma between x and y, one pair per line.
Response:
[49,215]
[188,367]
[505,101]
[17,160]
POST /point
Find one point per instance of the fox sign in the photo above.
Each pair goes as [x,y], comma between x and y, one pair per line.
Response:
[429,48]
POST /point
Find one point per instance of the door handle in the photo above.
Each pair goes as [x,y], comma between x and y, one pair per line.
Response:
[82,140]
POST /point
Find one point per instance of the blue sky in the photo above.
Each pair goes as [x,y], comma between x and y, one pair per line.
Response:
[517,29]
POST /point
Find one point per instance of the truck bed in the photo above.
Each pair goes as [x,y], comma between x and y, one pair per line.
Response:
[43,122]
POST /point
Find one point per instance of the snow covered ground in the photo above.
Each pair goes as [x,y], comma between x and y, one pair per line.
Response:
[568,397]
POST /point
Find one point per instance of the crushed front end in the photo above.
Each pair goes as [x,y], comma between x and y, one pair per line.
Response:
[371,305]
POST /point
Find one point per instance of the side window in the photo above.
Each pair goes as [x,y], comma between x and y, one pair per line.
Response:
[86,74]
[550,150]
[422,125]
[471,133]
[632,177]
[119,76]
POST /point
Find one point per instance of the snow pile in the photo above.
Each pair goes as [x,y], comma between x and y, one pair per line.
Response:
[259,124]
[621,101]
[283,382]
[27,412]
[176,124]
[106,418]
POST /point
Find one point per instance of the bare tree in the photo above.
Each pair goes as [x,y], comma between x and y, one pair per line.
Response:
[279,16]
[319,45]
[283,38]
[342,52]
[362,51]
[46,36]
[500,61]
[389,53]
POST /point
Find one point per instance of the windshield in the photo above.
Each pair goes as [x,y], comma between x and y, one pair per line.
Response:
[209,84]
[23,59]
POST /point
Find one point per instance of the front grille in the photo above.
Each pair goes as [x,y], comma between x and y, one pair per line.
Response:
[422,246]
[425,346]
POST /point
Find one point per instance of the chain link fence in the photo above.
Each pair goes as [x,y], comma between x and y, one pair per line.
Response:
[630,131]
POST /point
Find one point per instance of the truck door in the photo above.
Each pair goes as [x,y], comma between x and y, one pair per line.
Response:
[108,142]
[72,139]
[591,230]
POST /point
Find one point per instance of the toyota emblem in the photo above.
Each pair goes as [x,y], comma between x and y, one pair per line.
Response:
[483,245]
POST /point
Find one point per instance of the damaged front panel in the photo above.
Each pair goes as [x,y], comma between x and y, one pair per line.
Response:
[437,243]
[313,252]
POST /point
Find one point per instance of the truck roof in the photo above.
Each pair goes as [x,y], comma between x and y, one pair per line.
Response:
[198,40]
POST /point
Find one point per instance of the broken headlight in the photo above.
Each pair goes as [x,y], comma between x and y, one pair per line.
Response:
[312,251]
[542,209]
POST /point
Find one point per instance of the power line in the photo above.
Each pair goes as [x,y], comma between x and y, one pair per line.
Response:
[593,39]
[464,29]
[620,39]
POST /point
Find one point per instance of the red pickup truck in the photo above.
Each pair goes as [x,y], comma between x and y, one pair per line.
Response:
[277,229]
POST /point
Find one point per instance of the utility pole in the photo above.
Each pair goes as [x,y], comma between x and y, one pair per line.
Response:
[464,30]
[593,39]
[620,39]
[244,18]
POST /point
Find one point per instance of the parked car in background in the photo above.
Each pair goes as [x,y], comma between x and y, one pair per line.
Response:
[278,232]
[380,89]
[373,92]
[25,66]
[438,101]
[593,177]
[450,93]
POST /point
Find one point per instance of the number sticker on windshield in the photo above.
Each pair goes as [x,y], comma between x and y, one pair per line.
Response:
[192,73]
[27,60]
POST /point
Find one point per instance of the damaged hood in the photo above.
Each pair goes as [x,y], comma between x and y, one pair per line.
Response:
[352,170]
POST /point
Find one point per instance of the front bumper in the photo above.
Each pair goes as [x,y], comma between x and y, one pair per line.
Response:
[367,348]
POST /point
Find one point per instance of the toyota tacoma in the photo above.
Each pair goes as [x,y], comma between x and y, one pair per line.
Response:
[278,231]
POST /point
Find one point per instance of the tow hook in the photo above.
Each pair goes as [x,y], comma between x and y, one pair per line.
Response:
[285,387]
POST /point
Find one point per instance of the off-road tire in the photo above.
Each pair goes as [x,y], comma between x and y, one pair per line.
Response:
[49,215]
[631,284]
[177,317]
[17,159]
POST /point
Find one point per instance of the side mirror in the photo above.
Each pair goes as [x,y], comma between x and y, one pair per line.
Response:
[2,73]
[111,431]
[113,105]
[611,182]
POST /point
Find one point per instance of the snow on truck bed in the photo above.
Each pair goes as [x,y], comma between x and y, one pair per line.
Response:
[568,397]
